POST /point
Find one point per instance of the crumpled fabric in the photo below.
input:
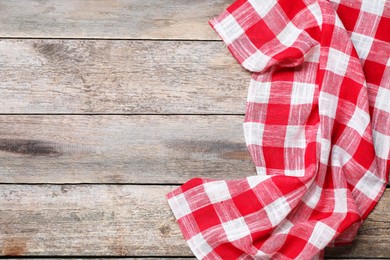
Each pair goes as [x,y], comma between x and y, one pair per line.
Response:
[317,127]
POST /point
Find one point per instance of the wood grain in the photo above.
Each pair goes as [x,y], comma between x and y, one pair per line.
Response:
[123,220]
[127,77]
[121,149]
[125,19]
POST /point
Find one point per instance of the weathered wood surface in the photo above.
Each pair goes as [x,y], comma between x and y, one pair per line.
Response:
[121,149]
[123,220]
[124,19]
[152,77]
[136,73]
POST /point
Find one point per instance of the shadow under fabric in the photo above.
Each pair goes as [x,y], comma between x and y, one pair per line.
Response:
[316,126]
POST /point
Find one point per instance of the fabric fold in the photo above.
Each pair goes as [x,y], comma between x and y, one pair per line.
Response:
[313,126]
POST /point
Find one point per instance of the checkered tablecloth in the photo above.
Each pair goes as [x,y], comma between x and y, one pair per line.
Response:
[317,126]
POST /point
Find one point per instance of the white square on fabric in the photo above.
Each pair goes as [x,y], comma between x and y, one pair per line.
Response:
[313,55]
[199,246]
[277,210]
[370,185]
[362,44]
[236,229]
[383,99]
[337,62]
[284,227]
[262,7]
[256,61]
[289,34]
[229,29]
[373,6]
[295,137]
[359,120]
[217,191]
[382,144]
[315,9]
[296,173]
[325,151]
[339,156]
[328,104]
[261,255]
[253,181]
[253,133]
[302,93]
[321,235]
[261,171]
[340,200]
[179,206]
[259,92]
[312,196]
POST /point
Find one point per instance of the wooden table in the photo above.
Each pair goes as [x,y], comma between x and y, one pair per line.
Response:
[105,107]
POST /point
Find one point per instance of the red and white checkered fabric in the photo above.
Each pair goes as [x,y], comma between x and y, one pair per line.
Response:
[317,126]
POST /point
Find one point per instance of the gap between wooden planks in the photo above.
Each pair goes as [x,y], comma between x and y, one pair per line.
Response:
[131,220]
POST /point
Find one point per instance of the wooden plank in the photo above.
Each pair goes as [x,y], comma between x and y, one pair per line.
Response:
[87,220]
[123,220]
[125,19]
[132,77]
[121,149]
